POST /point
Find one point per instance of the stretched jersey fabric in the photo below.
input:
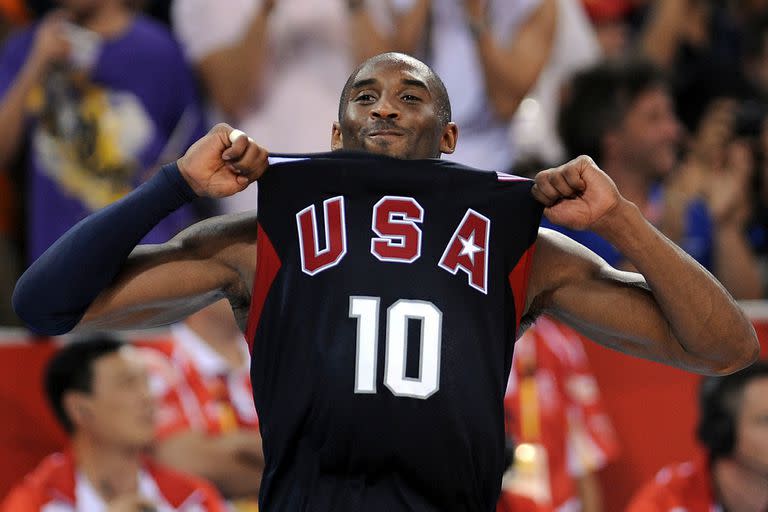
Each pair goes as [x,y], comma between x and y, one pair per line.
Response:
[387,298]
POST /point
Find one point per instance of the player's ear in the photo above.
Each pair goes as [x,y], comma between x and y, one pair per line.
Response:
[449,138]
[337,141]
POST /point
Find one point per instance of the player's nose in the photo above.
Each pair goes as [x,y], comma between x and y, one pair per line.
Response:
[385,109]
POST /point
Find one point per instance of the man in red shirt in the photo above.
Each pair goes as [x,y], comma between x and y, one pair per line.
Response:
[99,391]
[734,429]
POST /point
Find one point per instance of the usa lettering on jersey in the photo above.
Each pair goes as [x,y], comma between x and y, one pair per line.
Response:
[395,222]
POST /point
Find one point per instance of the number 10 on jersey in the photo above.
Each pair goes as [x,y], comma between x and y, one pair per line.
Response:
[367,312]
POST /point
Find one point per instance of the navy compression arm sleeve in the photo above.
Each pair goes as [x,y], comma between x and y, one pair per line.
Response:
[54,293]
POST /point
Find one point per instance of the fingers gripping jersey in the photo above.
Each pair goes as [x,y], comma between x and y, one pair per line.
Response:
[385,306]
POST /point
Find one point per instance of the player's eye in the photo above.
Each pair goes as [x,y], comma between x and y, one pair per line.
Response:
[364,98]
[410,98]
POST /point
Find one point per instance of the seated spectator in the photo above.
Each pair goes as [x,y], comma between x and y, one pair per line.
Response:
[733,428]
[207,424]
[99,391]
[556,420]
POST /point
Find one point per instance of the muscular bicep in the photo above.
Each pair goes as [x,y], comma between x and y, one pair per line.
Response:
[161,284]
[612,307]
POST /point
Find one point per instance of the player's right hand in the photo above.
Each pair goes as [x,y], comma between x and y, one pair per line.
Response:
[216,167]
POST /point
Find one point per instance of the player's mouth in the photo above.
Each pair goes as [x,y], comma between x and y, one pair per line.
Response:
[385,133]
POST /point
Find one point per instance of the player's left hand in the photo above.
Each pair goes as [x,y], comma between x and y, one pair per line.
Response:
[576,195]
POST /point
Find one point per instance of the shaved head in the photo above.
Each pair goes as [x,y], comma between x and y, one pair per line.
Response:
[435,84]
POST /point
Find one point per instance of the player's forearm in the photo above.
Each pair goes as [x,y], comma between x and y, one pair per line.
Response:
[57,289]
[701,315]
[511,71]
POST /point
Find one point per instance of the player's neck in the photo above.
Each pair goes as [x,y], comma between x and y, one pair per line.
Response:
[110,470]
[740,489]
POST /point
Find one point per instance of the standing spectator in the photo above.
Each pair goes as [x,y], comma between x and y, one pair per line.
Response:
[623,114]
[534,125]
[257,59]
[733,427]
[555,417]
[99,391]
[489,54]
[102,97]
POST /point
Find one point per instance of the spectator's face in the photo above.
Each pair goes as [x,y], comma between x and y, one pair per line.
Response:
[119,411]
[391,110]
[648,138]
[752,426]
[81,7]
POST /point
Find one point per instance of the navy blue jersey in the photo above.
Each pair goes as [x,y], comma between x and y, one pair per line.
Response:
[385,307]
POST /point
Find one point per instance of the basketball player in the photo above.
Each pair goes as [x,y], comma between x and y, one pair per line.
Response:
[380,361]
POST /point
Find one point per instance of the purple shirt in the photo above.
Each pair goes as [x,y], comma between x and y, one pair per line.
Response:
[94,137]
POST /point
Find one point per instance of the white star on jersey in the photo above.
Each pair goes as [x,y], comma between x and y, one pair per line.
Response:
[469,248]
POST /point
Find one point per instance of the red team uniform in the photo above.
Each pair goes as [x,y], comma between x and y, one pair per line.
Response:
[685,487]
[56,485]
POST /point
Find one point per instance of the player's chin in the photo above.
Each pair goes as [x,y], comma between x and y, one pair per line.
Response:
[397,148]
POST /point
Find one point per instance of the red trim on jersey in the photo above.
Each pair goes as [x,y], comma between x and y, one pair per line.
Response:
[518,280]
[267,265]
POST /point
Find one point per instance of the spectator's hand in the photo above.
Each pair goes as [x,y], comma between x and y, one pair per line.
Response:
[476,10]
[714,132]
[131,503]
[215,167]
[51,42]
[577,195]
[267,6]
[727,192]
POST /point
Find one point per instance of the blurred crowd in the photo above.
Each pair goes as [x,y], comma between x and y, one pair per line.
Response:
[669,97]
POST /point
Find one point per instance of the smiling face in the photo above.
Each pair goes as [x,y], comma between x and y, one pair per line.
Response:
[650,134]
[395,106]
